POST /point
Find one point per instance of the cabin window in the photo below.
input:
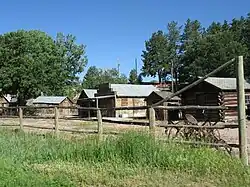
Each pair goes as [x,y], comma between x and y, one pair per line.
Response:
[247,99]
[124,102]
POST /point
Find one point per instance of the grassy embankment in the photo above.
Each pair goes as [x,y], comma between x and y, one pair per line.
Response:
[132,159]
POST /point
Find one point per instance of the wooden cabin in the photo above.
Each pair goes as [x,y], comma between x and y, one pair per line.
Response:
[8,101]
[87,99]
[63,101]
[215,91]
[123,95]
[161,114]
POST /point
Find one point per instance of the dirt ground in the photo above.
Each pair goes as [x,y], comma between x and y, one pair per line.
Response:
[229,135]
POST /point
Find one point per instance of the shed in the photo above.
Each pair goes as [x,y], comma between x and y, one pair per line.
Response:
[157,96]
[124,95]
[87,99]
[8,100]
[62,101]
[215,91]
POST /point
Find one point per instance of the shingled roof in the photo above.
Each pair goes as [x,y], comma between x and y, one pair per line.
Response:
[225,83]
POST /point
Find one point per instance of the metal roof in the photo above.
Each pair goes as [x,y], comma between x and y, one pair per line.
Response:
[49,99]
[164,94]
[10,98]
[225,83]
[90,92]
[132,90]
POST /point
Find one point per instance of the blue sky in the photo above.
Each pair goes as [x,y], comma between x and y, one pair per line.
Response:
[112,29]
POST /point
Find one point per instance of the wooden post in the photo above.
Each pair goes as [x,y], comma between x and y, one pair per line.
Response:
[89,111]
[152,120]
[56,120]
[99,120]
[21,118]
[241,110]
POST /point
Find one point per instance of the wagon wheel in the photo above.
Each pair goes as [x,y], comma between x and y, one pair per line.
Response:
[192,132]
[169,131]
[191,119]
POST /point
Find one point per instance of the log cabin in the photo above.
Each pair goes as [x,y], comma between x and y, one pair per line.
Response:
[54,101]
[215,91]
[161,114]
[123,95]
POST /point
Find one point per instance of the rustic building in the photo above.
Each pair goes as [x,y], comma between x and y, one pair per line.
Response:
[123,95]
[61,101]
[161,114]
[215,91]
[8,101]
[87,99]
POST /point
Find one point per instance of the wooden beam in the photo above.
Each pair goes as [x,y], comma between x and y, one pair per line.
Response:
[190,107]
[21,118]
[242,110]
[194,83]
[152,120]
[56,123]
[201,143]
[201,127]
[99,123]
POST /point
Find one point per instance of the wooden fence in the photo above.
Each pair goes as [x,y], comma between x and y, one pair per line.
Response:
[152,119]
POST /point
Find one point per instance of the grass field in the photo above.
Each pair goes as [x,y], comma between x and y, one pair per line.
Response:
[132,159]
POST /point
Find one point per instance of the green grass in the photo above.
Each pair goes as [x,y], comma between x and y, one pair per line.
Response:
[132,159]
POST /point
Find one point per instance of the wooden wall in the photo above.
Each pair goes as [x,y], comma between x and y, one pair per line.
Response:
[127,101]
[3,103]
[202,94]
[62,112]
[230,100]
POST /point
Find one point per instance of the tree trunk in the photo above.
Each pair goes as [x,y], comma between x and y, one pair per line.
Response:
[159,77]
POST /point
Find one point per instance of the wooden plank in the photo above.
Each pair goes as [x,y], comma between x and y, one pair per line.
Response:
[242,111]
[152,120]
[56,121]
[9,125]
[38,127]
[99,122]
[229,126]
[202,143]
[126,108]
[21,118]
[191,107]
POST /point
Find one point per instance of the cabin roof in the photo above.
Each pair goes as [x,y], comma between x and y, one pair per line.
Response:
[164,94]
[132,90]
[224,83]
[90,92]
[49,99]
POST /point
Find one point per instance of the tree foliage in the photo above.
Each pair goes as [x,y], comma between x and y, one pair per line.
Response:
[31,62]
[155,57]
[96,76]
[196,50]
[133,78]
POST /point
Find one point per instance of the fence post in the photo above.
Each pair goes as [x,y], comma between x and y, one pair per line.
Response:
[20,117]
[99,121]
[241,110]
[152,120]
[56,120]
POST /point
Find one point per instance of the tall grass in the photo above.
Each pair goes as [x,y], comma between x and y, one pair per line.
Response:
[129,150]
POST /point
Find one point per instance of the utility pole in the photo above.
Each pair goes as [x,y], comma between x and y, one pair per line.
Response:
[172,76]
[118,67]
